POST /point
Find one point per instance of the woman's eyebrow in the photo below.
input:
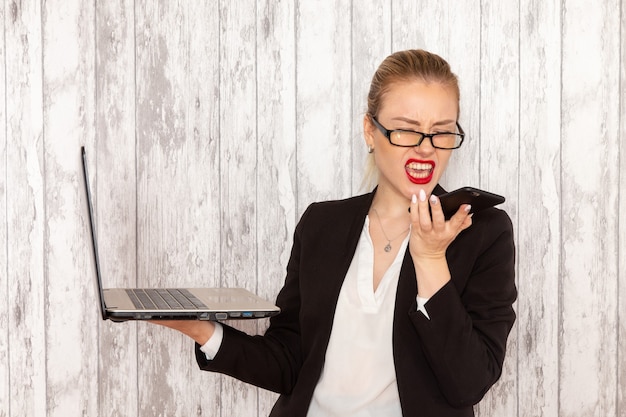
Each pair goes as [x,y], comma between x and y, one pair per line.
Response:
[417,123]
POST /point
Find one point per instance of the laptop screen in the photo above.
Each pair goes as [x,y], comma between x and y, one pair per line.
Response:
[92,227]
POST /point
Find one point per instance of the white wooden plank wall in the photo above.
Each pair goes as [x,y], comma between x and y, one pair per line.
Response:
[211,125]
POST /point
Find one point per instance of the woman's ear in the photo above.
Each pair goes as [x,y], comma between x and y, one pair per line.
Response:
[368,131]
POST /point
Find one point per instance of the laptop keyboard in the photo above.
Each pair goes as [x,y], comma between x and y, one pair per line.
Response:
[164,299]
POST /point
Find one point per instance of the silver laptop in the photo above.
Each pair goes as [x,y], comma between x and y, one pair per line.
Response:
[121,304]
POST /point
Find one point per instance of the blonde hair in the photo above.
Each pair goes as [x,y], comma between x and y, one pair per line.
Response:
[401,66]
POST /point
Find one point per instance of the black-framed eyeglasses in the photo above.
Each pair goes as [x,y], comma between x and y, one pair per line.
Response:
[412,138]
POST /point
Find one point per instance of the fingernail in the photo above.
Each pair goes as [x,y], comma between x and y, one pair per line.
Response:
[433,199]
[422,195]
[468,208]
[414,199]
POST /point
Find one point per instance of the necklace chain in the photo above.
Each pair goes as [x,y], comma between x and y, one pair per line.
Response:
[388,245]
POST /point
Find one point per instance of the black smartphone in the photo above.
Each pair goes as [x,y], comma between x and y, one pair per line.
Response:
[479,200]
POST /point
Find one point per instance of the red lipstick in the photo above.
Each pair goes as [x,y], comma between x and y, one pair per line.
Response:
[419,171]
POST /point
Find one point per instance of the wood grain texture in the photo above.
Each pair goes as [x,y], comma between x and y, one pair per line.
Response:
[212,125]
[68,109]
[177,217]
[621,269]
[371,40]
[276,153]
[460,49]
[5,403]
[26,293]
[539,191]
[499,150]
[113,161]
[238,169]
[203,176]
[323,104]
[590,117]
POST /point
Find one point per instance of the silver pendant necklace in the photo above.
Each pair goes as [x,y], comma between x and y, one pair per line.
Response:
[388,245]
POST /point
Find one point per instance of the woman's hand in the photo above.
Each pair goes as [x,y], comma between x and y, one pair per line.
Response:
[199,330]
[430,238]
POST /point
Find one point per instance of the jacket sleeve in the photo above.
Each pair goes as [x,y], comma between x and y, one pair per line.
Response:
[471,316]
[271,361]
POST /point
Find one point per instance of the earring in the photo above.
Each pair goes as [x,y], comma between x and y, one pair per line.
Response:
[370,149]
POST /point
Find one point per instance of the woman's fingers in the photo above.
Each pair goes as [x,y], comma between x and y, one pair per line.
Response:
[199,330]
[429,225]
[462,219]
[438,218]
[420,211]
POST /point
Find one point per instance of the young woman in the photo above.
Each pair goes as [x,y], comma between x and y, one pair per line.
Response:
[387,309]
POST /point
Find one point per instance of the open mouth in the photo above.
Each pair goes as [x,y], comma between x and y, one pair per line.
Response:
[419,172]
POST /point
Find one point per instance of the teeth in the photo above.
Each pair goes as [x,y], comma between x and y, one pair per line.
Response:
[420,174]
[419,169]
[419,166]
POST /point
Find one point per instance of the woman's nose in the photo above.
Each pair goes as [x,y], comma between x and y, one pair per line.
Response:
[425,147]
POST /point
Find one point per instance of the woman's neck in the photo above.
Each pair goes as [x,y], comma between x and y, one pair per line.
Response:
[390,205]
